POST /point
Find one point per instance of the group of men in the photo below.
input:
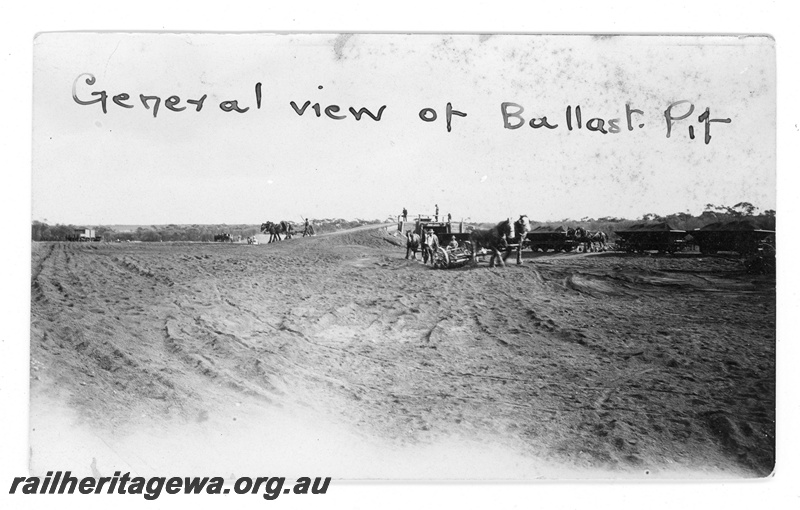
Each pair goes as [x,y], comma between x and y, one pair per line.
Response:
[435,216]
[430,243]
[427,244]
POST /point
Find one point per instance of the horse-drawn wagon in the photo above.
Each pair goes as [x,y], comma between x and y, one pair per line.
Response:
[459,248]
[448,258]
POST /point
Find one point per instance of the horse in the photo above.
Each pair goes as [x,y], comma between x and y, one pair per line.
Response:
[412,244]
[276,229]
[269,228]
[494,240]
[223,238]
[583,239]
[521,228]
[599,240]
[590,241]
[273,229]
[287,229]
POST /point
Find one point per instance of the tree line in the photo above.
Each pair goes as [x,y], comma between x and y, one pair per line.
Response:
[41,231]
[742,211]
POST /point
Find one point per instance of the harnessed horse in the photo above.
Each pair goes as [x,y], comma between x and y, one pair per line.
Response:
[583,239]
[494,240]
[412,244]
[521,228]
[271,229]
[287,229]
[276,229]
[599,240]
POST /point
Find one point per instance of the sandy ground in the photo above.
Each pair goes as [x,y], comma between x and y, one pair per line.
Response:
[334,354]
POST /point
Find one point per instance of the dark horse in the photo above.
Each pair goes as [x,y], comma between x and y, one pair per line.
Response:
[271,229]
[413,244]
[276,229]
[599,240]
[583,239]
[495,239]
[588,241]
[287,229]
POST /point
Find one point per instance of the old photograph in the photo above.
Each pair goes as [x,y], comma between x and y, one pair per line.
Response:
[387,256]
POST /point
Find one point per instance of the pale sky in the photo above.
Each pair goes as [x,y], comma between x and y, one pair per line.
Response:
[271,163]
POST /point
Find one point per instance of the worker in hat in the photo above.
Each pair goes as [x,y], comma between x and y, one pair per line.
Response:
[453,244]
[432,243]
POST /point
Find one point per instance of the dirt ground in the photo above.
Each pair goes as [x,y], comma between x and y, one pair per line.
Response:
[610,365]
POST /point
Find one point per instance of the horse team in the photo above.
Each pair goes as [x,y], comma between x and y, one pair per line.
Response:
[278,229]
[588,241]
[500,241]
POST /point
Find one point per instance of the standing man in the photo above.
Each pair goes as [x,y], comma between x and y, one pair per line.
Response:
[436,216]
[405,215]
[424,244]
[432,243]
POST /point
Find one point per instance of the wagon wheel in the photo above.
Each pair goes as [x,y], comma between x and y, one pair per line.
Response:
[441,260]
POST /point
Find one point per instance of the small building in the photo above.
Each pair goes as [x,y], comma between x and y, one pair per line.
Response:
[83,235]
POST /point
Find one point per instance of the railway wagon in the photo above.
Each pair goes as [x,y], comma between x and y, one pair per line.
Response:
[549,238]
[737,236]
[643,237]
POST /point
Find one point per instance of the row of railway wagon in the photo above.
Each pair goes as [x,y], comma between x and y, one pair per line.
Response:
[741,237]
[734,236]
